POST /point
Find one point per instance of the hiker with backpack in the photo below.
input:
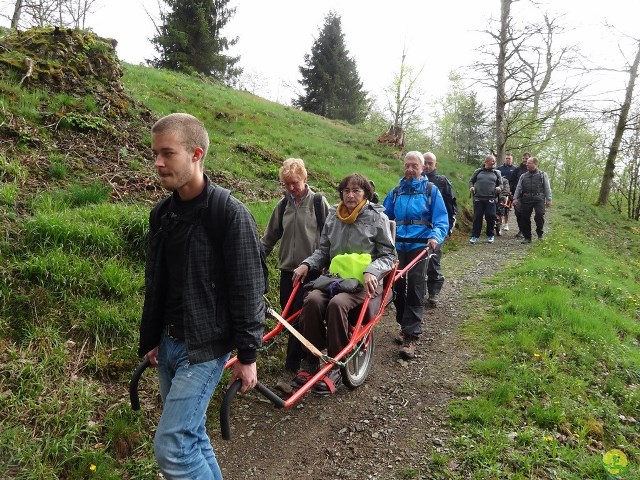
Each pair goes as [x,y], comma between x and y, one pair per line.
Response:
[421,219]
[296,222]
[435,279]
[355,244]
[485,184]
[533,193]
[204,286]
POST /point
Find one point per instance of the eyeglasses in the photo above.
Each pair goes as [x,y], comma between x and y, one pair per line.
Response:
[349,191]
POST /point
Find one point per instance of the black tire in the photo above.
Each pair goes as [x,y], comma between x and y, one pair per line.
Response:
[357,369]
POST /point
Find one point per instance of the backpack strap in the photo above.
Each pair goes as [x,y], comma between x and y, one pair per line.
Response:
[217,213]
[318,210]
[427,192]
[216,227]
[415,222]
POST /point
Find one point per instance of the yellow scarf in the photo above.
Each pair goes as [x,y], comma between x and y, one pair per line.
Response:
[343,214]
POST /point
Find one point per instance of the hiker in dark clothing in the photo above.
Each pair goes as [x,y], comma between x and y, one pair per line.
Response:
[485,184]
[507,168]
[435,279]
[533,193]
[513,183]
[204,292]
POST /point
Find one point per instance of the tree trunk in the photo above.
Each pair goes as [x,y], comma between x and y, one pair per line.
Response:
[393,136]
[500,79]
[16,14]
[610,166]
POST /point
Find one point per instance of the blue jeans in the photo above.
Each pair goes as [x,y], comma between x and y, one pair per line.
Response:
[181,445]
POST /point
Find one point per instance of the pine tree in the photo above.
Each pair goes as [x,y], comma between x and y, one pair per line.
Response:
[330,78]
[190,40]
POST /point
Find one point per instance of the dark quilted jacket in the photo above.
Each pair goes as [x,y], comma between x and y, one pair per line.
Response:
[223,292]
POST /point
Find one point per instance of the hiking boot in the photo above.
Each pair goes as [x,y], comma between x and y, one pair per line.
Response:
[540,237]
[505,227]
[490,239]
[329,383]
[408,350]
[473,240]
[399,339]
[308,368]
[519,234]
[432,301]
[526,240]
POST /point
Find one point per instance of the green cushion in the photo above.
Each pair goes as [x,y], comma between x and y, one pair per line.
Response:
[350,265]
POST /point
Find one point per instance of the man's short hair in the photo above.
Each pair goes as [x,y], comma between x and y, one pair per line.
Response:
[430,155]
[192,131]
[416,154]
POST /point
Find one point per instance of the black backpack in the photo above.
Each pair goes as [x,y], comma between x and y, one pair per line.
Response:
[214,222]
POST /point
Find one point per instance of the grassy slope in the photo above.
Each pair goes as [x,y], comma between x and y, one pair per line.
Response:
[71,282]
[557,382]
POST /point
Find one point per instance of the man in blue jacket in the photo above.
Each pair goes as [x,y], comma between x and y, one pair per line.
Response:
[421,219]
[507,168]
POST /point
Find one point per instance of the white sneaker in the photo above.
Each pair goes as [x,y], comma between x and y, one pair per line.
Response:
[505,227]
[490,239]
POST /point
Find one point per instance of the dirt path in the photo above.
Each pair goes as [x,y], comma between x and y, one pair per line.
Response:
[390,424]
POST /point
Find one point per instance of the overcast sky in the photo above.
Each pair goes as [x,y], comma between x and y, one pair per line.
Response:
[440,35]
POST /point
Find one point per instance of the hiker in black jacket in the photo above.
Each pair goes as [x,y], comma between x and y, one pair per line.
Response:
[435,279]
[507,168]
[204,292]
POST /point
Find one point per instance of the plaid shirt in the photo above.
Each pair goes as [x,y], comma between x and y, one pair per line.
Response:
[223,290]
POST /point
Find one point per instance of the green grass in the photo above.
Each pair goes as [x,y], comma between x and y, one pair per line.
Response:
[557,375]
[559,372]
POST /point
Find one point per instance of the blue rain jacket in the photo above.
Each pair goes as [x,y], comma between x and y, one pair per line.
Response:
[408,205]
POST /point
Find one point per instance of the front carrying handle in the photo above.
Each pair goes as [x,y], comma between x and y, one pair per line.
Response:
[225,408]
[133,386]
